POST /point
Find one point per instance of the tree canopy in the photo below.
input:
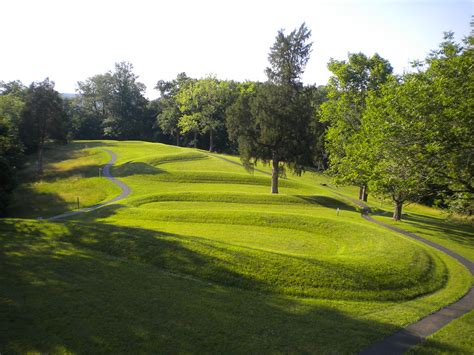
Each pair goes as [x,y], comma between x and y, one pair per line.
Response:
[348,88]
[43,118]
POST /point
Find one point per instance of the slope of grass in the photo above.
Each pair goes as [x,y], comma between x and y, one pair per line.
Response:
[219,263]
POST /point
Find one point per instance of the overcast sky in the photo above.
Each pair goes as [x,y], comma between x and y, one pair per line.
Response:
[69,41]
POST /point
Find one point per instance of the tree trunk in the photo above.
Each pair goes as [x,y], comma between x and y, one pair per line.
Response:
[195,139]
[177,138]
[211,145]
[397,213]
[275,173]
[364,193]
[40,158]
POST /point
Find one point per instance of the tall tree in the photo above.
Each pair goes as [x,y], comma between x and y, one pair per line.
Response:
[318,97]
[202,104]
[114,103]
[416,133]
[272,124]
[348,88]
[393,141]
[11,148]
[449,71]
[169,113]
[92,106]
[127,119]
[43,118]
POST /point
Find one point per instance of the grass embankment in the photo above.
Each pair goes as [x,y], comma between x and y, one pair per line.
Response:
[201,257]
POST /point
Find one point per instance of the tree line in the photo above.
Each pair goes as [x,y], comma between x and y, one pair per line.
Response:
[407,137]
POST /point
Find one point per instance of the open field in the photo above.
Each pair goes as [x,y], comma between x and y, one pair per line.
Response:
[200,257]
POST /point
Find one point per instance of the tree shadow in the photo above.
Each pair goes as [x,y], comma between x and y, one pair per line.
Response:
[29,203]
[86,302]
[58,153]
[191,255]
[461,233]
[61,292]
[135,168]
[327,201]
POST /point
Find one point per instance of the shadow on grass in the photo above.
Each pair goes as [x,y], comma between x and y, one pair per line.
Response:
[462,233]
[29,203]
[135,168]
[60,297]
[245,267]
[57,296]
[459,232]
[326,201]
[57,153]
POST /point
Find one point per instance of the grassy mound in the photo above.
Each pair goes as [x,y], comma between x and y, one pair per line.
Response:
[78,288]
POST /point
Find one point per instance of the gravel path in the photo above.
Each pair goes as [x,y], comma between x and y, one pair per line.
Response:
[106,173]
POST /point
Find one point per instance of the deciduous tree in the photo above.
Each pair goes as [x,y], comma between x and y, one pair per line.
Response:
[348,88]
[202,104]
[169,115]
[43,118]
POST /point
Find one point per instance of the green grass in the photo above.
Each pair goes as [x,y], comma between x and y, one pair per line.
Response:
[70,173]
[200,257]
[433,224]
[69,287]
[455,338]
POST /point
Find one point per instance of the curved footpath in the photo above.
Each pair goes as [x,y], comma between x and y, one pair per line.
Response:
[106,173]
[415,333]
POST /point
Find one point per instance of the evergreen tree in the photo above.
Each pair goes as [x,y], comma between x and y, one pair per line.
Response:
[271,123]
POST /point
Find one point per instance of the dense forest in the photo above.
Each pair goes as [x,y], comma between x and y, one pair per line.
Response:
[406,137]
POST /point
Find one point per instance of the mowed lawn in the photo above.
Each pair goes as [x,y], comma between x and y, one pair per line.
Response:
[202,258]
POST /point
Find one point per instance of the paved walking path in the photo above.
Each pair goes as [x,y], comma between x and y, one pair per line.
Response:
[106,173]
[415,333]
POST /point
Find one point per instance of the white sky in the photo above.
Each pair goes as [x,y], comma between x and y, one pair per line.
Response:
[70,41]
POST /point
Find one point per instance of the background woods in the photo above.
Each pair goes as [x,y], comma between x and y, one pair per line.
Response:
[406,137]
